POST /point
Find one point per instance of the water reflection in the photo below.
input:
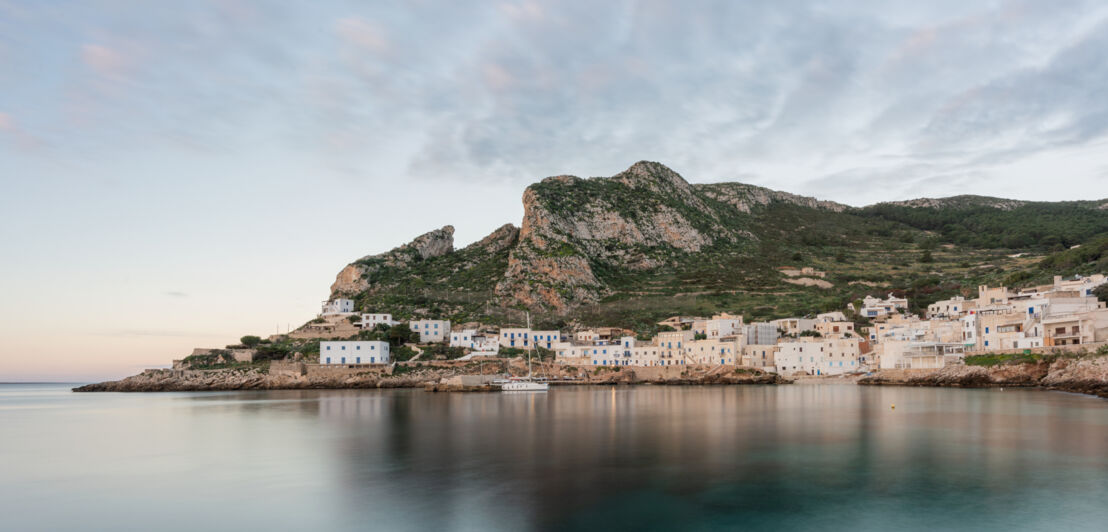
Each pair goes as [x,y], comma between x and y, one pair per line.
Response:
[795,457]
[583,457]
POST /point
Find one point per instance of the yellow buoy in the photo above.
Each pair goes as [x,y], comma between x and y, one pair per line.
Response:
[893,407]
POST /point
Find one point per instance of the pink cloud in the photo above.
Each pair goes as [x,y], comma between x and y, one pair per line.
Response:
[103,60]
[363,33]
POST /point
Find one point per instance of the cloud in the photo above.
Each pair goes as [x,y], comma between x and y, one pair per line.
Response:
[20,137]
[515,90]
[363,33]
[104,61]
[176,294]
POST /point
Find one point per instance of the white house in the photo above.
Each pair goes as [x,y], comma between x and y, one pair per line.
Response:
[798,357]
[873,307]
[370,352]
[338,306]
[719,326]
[831,316]
[431,330]
[515,337]
[954,307]
[546,339]
[463,338]
[369,321]
[1083,285]
[471,339]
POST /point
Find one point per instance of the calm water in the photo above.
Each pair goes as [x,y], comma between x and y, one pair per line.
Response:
[797,457]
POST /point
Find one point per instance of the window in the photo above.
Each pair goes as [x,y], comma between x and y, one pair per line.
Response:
[328,358]
[358,360]
[358,347]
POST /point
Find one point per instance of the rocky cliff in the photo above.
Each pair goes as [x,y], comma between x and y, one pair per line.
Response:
[647,234]
[359,276]
[1087,374]
[580,237]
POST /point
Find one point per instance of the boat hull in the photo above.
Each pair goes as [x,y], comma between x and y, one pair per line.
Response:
[524,386]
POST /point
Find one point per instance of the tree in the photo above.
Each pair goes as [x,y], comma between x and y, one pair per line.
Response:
[797,257]
[250,341]
[700,336]
[1101,292]
[401,334]
[926,257]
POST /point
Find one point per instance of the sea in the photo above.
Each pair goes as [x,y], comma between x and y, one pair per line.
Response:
[790,457]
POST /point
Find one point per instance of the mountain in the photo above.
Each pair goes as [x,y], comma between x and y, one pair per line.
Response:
[646,243]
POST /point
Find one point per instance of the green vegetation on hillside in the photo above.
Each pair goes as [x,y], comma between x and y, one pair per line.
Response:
[1037,226]
[922,253]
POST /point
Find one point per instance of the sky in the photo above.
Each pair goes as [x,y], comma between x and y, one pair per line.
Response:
[179,175]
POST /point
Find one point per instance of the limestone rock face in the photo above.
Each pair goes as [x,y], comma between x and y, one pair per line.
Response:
[745,197]
[503,238]
[357,277]
[960,202]
[632,221]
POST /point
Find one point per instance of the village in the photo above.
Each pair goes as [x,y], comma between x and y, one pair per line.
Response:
[1057,316]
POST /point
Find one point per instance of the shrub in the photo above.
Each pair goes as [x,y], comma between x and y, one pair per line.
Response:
[250,341]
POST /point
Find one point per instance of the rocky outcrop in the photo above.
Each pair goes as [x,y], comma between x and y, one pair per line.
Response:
[636,220]
[502,238]
[959,202]
[358,276]
[1087,374]
[745,197]
[435,376]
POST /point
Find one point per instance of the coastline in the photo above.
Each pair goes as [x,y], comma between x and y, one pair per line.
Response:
[1085,375]
[427,375]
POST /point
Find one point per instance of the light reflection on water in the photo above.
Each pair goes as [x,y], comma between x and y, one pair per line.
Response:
[755,457]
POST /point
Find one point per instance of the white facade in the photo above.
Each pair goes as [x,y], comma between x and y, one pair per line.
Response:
[947,308]
[834,356]
[369,321]
[831,316]
[719,326]
[519,337]
[338,306]
[370,352]
[873,307]
[713,351]
[471,339]
[1083,285]
[760,356]
[431,330]
[546,339]
[798,357]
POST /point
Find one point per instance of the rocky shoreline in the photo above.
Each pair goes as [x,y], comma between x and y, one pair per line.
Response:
[1085,375]
[295,376]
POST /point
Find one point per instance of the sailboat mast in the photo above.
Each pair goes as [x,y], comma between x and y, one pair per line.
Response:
[530,345]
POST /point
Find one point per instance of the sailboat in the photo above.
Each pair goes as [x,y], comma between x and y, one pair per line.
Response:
[528,383]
